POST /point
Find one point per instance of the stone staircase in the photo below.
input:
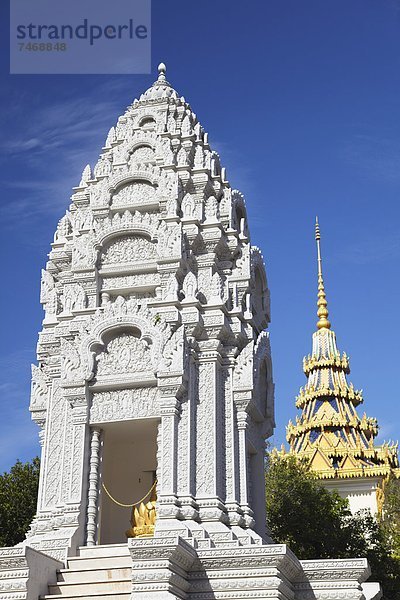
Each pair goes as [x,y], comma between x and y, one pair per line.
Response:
[97,571]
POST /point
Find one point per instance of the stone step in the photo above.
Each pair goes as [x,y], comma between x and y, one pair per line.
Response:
[86,575]
[106,550]
[112,596]
[90,588]
[83,563]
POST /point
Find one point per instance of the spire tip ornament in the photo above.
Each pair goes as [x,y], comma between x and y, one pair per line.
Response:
[322,312]
[162,69]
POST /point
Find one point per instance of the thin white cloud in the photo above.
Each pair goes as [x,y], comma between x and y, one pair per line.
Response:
[50,147]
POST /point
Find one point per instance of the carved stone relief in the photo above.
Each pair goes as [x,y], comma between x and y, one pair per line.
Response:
[132,194]
[120,405]
[124,354]
[128,249]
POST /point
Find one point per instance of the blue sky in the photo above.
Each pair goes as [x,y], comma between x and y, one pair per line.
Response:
[302,101]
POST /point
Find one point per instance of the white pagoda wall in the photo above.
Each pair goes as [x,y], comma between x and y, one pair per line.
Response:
[361,493]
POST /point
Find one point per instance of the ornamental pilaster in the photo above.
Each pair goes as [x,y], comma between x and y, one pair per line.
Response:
[170,388]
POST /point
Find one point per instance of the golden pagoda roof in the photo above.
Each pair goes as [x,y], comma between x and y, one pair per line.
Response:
[329,432]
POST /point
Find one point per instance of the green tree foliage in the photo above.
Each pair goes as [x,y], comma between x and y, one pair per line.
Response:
[18,495]
[390,519]
[318,524]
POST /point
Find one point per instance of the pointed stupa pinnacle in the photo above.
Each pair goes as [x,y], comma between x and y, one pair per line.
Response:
[162,69]
[322,312]
[161,88]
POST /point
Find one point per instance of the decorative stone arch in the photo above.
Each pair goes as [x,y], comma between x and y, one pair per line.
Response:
[130,176]
[147,118]
[140,246]
[263,378]
[142,179]
[260,292]
[118,230]
[149,149]
[139,321]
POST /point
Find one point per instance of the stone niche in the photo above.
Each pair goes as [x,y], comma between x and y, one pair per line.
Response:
[134,194]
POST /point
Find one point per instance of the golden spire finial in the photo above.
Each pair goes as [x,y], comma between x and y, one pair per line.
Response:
[323,322]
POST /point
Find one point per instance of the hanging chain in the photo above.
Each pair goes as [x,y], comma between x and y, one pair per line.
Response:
[134,503]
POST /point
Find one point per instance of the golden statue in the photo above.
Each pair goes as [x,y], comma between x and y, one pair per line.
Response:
[143,517]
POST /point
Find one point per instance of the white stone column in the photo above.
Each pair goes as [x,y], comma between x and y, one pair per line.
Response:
[42,439]
[192,425]
[232,453]
[169,414]
[210,460]
[242,425]
[242,417]
[186,444]
[168,510]
[93,492]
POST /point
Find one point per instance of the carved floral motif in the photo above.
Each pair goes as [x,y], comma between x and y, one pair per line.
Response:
[124,354]
[142,154]
[70,361]
[128,249]
[74,297]
[134,193]
[119,405]
[39,389]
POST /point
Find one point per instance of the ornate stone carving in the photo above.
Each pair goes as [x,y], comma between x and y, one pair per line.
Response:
[182,157]
[74,297]
[168,153]
[142,154]
[243,374]
[103,167]
[211,209]
[131,281]
[64,228]
[170,290]
[169,240]
[216,294]
[124,354]
[186,127]
[175,353]
[133,194]
[39,389]
[83,254]
[46,287]
[120,405]
[110,137]
[82,219]
[198,158]
[189,287]
[188,207]
[205,442]
[53,450]
[70,361]
[128,249]
[145,223]
[86,175]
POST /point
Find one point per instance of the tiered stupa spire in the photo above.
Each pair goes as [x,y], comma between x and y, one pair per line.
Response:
[329,432]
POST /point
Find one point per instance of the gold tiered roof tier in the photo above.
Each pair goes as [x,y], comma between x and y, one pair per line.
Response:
[329,432]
